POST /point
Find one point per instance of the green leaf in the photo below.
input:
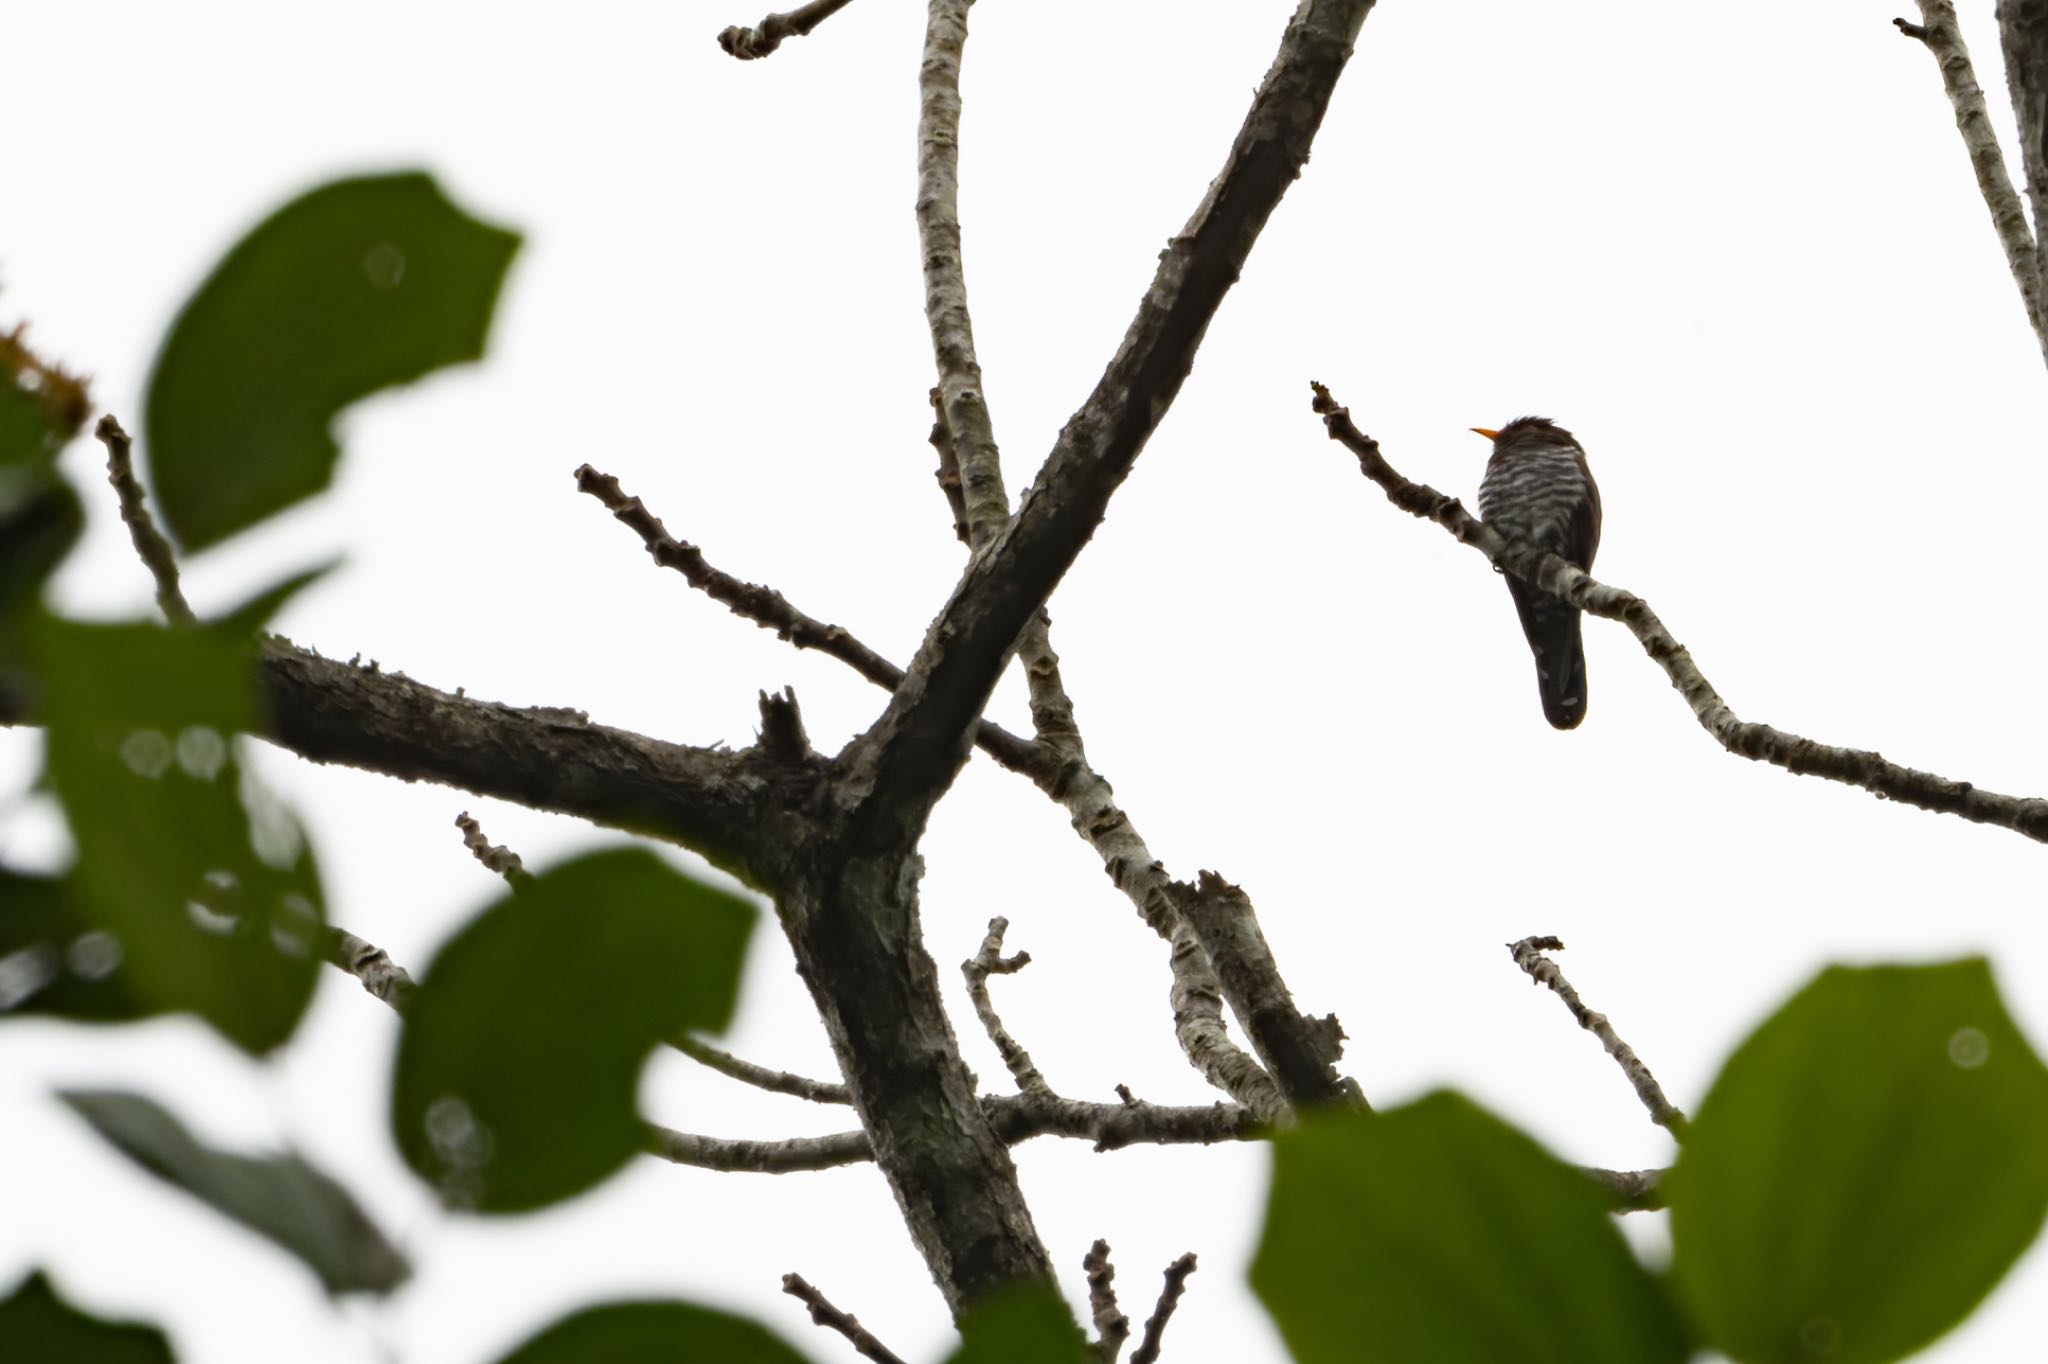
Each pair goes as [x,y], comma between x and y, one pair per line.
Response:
[38,1327]
[54,962]
[654,1333]
[41,410]
[521,1053]
[1438,1232]
[1868,1165]
[1032,1325]
[281,1197]
[205,882]
[351,288]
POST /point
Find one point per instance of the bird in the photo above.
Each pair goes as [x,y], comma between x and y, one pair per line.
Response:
[1538,489]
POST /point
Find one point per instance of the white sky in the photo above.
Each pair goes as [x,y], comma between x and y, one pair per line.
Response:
[1744,261]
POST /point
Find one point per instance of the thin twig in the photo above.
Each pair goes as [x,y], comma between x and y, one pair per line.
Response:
[366,961]
[149,542]
[1112,1327]
[770,610]
[747,44]
[961,399]
[1747,739]
[1169,1298]
[825,1314]
[1941,36]
[774,1081]
[1014,1118]
[1629,1190]
[990,961]
[497,858]
[1528,954]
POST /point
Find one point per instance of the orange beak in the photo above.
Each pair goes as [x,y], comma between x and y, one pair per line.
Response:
[1490,435]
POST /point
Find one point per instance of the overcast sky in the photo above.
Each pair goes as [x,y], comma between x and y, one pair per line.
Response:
[1744,262]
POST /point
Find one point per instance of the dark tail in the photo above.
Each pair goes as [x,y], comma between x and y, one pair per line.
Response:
[1553,632]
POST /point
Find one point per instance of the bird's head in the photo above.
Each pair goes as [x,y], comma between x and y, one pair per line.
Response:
[1527,432]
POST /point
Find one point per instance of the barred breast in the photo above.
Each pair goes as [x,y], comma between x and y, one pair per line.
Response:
[1532,495]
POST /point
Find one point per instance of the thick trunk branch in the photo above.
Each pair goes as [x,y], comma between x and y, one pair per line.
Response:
[854,928]
[715,802]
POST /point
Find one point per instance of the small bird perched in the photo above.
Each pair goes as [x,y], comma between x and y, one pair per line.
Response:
[1538,489]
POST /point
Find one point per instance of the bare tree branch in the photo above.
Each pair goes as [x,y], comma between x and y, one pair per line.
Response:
[774,1081]
[150,545]
[770,610]
[1941,36]
[948,472]
[551,759]
[1528,954]
[961,400]
[1169,1298]
[2023,37]
[1630,1190]
[1013,1117]
[1299,1052]
[366,961]
[825,1314]
[749,44]
[1746,739]
[978,968]
[913,751]
[1112,1327]
[499,858]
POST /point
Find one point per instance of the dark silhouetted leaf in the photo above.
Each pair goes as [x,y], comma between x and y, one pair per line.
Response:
[41,411]
[1032,1325]
[54,962]
[205,882]
[1867,1166]
[522,1050]
[350,288]
[281,1196]
[38,1327]
[1436,1232]
[654,1333]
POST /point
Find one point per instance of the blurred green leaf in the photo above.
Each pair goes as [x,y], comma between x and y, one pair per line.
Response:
[1868,1165]
[654,1333]
[281,1197]
[1032,1325]
[204,880]
[351,288]
[41,410]
[522,1050]
[53,961]
[38,1327]
[1437,1232]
